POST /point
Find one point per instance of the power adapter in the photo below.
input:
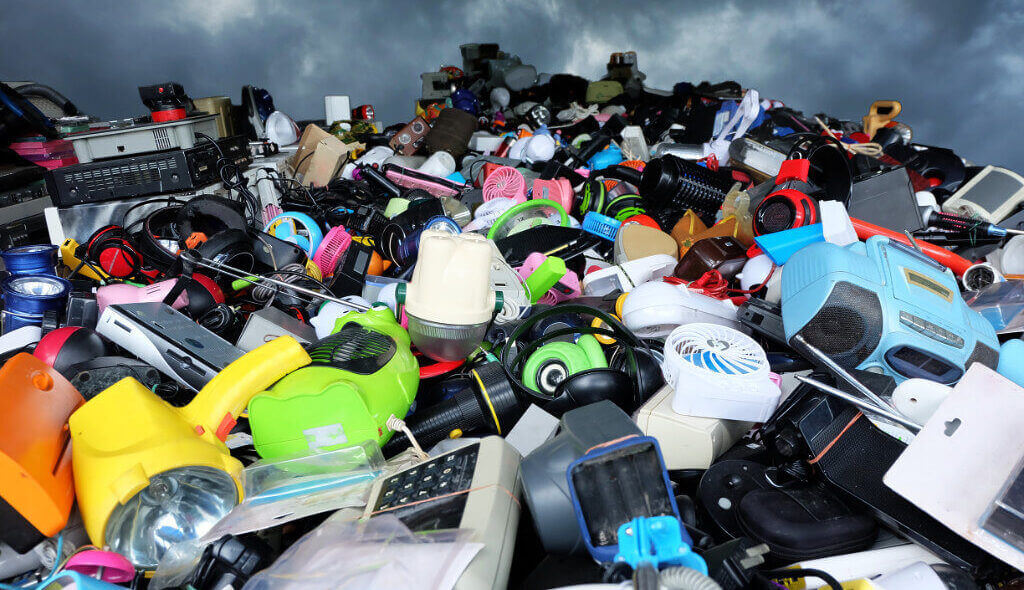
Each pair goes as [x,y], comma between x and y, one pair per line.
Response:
[732,564]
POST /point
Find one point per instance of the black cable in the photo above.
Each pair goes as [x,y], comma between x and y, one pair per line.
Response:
[803,573]
[169,200]
[211,140]
[218,319]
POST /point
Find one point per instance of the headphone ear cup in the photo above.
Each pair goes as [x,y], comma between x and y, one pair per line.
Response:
[110,248]
[648,375]
[595,354]
[551,364]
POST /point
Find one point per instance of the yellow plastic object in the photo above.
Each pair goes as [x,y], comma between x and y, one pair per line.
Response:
[314,271]
[602,338]
[801,584]
[127,434]
[71,260]
[880,114]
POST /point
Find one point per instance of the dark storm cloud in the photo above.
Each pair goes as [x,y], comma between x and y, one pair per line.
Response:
[958,68]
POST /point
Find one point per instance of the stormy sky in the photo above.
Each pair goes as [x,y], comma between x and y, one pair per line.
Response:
[957,67]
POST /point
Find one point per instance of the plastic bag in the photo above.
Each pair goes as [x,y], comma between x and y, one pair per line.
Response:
[1002,304]
[378,553]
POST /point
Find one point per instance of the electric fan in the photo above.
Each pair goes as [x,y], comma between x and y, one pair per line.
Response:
[331,248]
[505,181]
[719,372]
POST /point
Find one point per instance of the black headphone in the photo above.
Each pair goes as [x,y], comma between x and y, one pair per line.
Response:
[231,247]
[830,168]
[632,375]
[209,215]
[161,224]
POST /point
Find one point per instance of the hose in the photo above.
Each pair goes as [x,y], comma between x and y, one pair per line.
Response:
[684,578]
[45,92]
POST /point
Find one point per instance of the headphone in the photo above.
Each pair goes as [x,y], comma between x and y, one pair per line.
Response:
[231,247]
[829,167]
[112,249]
[786,208]
[592,196]
[209,215]
[161,224]
[554,362]
[559,376]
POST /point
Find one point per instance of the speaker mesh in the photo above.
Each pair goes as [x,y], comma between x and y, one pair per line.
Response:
[983,354]
[848,326]
[776,215]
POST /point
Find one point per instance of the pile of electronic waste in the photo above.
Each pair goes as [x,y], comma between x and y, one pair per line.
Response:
[549,332]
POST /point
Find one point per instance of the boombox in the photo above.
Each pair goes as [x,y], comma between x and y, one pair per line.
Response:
[884,307]
[410,138]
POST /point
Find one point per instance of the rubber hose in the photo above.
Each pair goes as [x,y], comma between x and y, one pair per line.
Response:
[684,578]
[44,91]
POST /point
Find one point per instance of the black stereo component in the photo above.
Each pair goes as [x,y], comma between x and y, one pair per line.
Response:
[145,174]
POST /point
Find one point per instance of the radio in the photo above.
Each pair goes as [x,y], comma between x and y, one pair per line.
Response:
[883,307]
[145,174]
[410,138]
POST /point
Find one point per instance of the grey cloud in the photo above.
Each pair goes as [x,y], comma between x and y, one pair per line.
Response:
[956,66]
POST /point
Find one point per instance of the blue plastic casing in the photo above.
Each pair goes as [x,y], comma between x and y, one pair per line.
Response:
[883,306]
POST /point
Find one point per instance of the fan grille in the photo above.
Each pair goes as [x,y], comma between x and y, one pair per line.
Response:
[505,181]
[331,248]
[355,349]
[714,349]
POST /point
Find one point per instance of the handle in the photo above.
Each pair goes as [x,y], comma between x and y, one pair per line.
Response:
[217,405]
[958,264]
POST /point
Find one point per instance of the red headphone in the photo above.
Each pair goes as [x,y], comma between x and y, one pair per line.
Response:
[786,207]
[113,251]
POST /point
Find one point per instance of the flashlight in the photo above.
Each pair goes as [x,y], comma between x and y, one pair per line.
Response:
[31,260]
[28,297]
[449,301]
[149,475]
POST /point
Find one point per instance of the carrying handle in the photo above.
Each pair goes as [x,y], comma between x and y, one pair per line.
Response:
[216,407]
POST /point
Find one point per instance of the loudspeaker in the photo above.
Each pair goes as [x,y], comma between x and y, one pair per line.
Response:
[883,306]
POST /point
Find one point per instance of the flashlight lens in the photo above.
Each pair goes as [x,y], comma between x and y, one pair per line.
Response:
[178,505]
[38,286]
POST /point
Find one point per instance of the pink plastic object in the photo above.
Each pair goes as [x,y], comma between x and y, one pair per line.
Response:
[558,190]
[531,263]
[271,211]
[507,182]
[438,188]
[115,567]
[122,293]
[331,248]
[567,287]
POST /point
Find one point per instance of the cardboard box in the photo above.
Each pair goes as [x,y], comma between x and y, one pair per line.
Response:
[319,157]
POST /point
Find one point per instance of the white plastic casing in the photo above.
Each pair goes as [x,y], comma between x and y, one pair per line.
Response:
[836,224]
[687,442]
[704,388]
[372,156]
[451,283]
[624,277]
[654,309]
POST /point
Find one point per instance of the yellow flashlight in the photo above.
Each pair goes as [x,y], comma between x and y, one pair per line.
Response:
[149,475]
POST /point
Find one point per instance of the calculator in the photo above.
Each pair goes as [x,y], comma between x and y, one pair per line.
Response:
[476,487]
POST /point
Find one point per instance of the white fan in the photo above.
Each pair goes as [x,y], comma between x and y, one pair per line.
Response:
[719,372]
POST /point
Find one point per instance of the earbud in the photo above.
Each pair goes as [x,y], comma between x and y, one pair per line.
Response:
[554,362]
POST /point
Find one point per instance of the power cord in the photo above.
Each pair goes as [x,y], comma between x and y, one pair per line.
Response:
[870,148]
[398,425]
[803,573]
